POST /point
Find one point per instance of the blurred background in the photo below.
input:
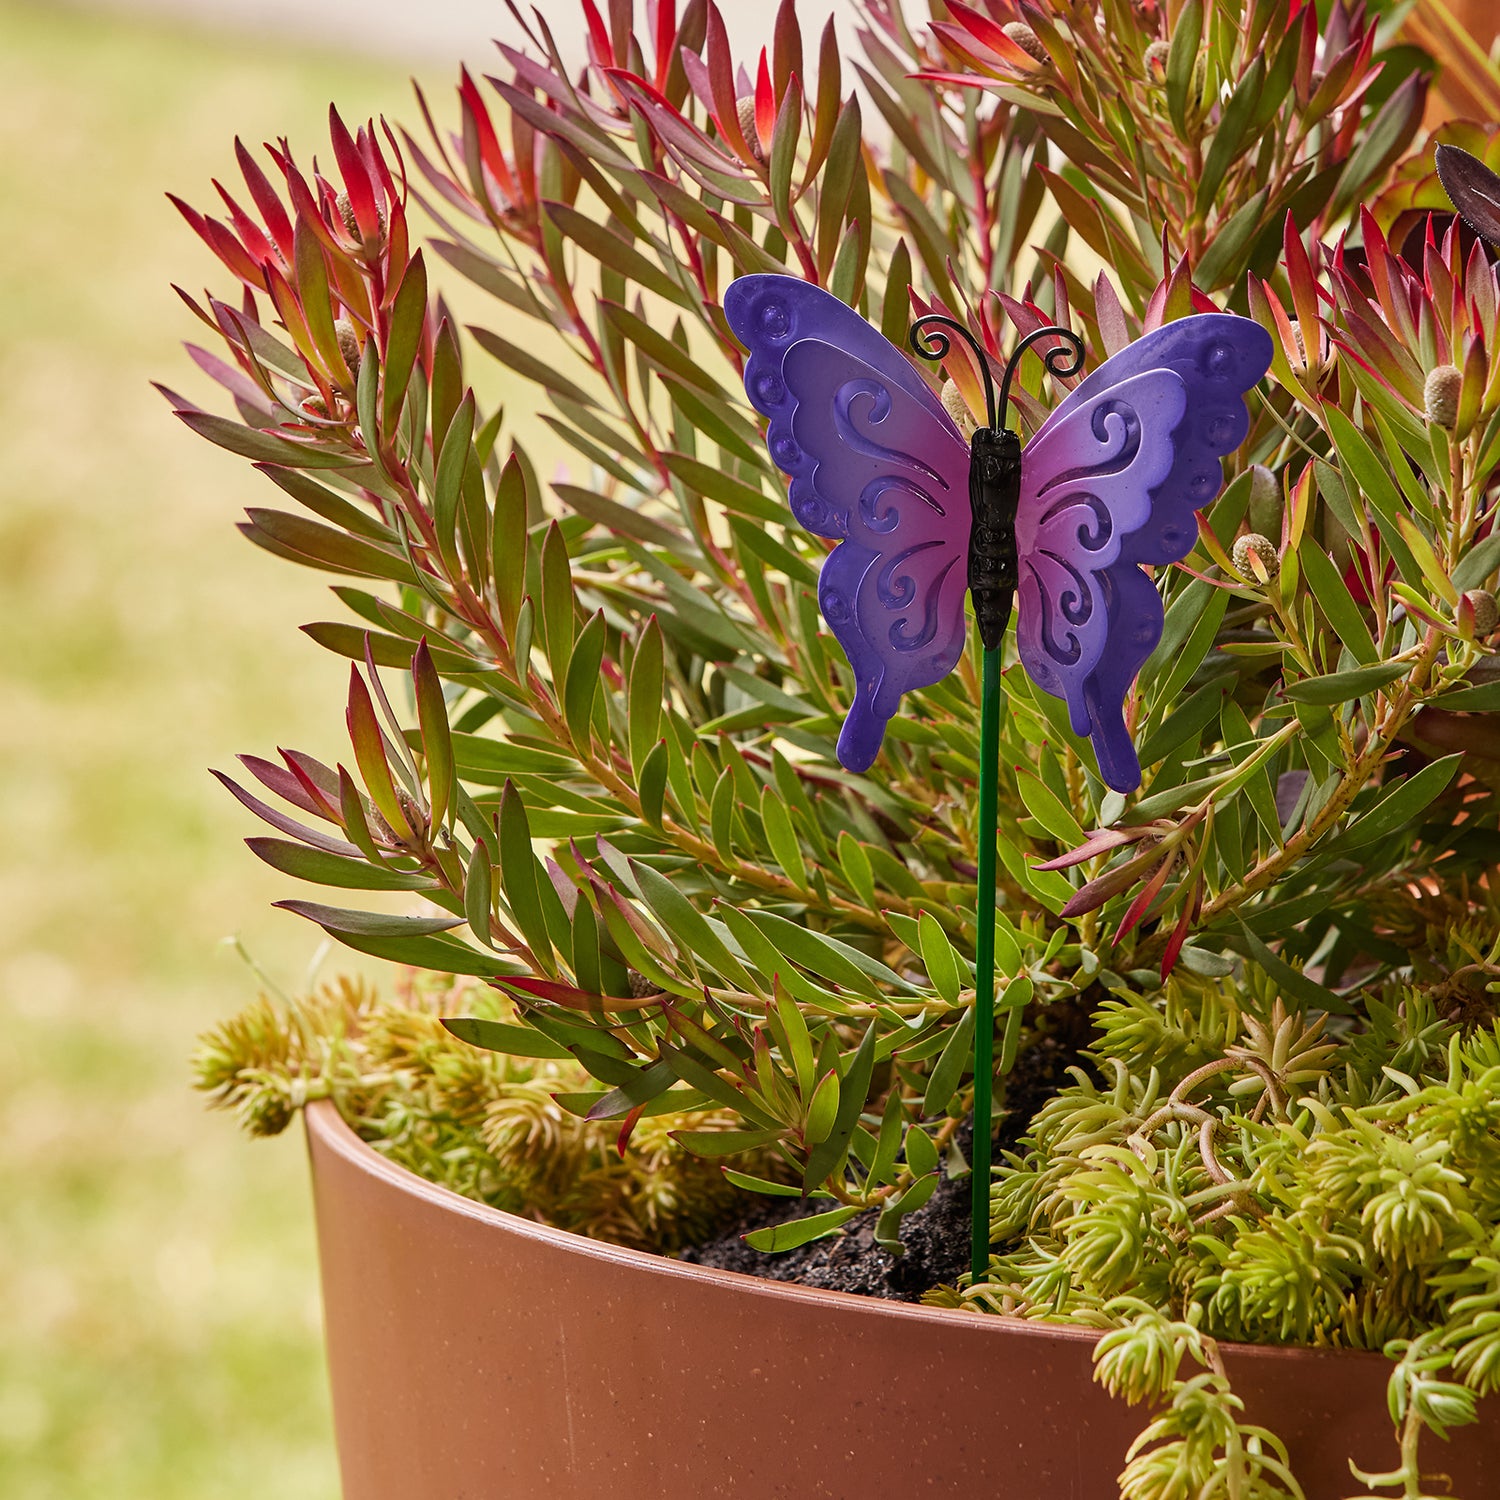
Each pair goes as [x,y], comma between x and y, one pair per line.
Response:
[159,1317]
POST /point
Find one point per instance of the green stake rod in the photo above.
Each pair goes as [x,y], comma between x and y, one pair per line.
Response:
[984,962]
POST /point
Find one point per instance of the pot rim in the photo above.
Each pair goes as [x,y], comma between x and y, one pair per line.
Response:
[327,1126]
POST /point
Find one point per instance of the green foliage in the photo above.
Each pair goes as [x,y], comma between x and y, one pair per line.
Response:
[486,1125]
[592,721]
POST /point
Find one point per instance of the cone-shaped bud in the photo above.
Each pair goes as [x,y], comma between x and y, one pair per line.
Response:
[958,409]
[745,110]
[348,344]
[1440,395]
[1478,614]
[1156,59]
[1255,556]
[1026,39]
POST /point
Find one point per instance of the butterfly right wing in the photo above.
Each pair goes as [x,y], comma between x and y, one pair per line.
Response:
[876,464]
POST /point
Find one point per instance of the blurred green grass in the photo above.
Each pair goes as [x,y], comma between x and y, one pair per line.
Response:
[158,1293]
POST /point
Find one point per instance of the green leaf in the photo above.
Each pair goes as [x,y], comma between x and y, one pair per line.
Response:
[508,546]
[940,958]
[519,877]
[822,1109]
[651,782]
[1182,55]
[760,1184]
[712,1143]
[408,314]
[796,1039]
[1365,467]
[1478,563]
[457,450]
[479,893]
[437,745]
[1484,698]
[1336,602]
[498,1036]
[266,447]
[827,1157]
[801,1231]
[1401,803]
[782,837]
[694,936]
[323,868]
[1292,981]
[531,367]
[600,243]
[647,683]
[314,545]
[733,494]
[855,864]
[1345,687]
[1048,808]
[557,602]
[582,684]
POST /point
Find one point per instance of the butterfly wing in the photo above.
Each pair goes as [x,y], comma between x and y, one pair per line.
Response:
[876,464]
[1111,481]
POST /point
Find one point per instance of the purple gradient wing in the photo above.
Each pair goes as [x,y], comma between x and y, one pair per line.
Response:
[876,464]
[1111,481]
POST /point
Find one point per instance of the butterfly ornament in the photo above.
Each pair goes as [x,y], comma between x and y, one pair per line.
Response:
[1109,484]
[1063,527]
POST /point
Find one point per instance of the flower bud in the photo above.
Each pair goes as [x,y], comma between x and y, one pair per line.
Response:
[640,986]
[1440,395]
[1026,39]
[348,344]
[1478,614]
[351,219]
[1156,59]
[958,409]
[1255,556]
[745,111]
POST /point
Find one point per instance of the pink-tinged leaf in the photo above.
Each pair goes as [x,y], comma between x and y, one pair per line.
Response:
[601,49]
[1098,843]
[786,48]
[670,124]
[765,105]
[257,246]
[1177,939]
[282,823]
[720,61]
[236,382]
[1099,890]
[1114,329]
[664,47]
[437,742]
[555,992]
[356,175]
[1304,289]
[288,786]
[272,212]
[369,755]
[627,1128]
[320,780]
[1148,893]
[477,118]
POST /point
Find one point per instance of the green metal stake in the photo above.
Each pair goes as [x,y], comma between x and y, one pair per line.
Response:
[984,987]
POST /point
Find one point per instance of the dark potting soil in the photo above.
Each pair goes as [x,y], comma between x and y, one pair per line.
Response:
[935,1239]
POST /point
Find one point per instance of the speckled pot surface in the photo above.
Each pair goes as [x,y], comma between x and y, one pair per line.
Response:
[479,1356]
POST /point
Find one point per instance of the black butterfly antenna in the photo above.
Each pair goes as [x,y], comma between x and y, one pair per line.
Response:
[930,341]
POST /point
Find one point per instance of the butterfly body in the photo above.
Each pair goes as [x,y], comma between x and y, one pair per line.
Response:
[994,497]
[1110,481]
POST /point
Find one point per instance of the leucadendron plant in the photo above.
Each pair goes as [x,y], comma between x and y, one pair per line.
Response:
[591,719]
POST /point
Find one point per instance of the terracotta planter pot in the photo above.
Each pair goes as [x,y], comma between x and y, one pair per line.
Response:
[479,1356]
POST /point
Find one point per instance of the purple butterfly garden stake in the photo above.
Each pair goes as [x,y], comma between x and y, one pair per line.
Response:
[923,517]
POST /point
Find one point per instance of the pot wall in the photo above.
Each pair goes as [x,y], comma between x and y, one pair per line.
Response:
[476,1356]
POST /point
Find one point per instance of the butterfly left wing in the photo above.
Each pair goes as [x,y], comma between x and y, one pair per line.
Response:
[875,464]
[1111,481]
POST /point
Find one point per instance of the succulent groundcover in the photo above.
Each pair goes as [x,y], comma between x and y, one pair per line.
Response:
[591,717]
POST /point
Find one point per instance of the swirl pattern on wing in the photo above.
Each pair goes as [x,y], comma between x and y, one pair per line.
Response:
[876,464]
[1112,480]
